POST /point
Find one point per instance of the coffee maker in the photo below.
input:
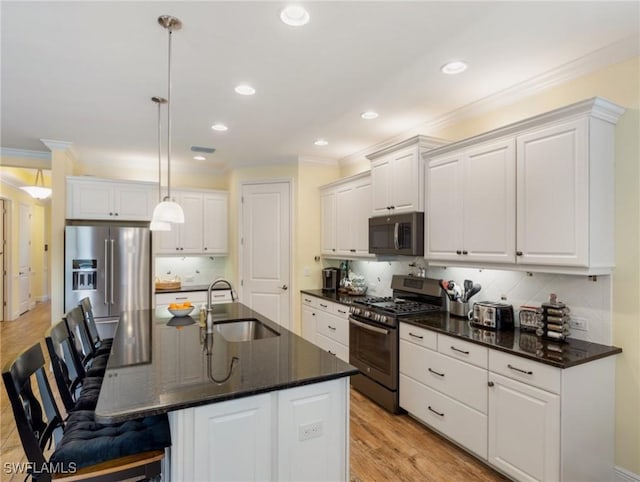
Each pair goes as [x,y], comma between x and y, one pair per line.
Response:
[330,279]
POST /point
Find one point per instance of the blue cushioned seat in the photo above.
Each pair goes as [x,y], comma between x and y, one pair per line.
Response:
[87,442]
[89,393]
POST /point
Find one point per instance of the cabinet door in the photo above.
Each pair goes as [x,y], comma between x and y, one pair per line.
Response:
[215,224]
[405,182]
[345,199]
[133,203]
[191,231]
[381,186]
[553,195]
[444,207]
[489,226]
[91,200]
[233,440]
[328,221]
[309,324]
[524,430]
[361,212]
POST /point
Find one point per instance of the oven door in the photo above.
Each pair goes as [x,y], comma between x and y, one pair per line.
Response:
[373,349]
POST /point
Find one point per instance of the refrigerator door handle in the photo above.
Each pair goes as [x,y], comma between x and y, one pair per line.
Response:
[106,301]
[111,273]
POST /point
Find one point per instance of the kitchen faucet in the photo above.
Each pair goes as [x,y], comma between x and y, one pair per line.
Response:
[209,306]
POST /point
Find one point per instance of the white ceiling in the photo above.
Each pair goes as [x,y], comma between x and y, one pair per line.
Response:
[84,72]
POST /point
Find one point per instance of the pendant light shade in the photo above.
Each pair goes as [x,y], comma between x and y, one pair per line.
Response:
[167,211]
[38,191]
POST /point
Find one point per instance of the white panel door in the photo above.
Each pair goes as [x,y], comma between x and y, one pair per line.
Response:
[191,231]
[444,207]
[233,440]
[381,182]
[344,227]
[553,195]
[361,214]
[524,430]
[24,257]
[405,184]
[328,219]
[490,202]
[266,250]
[215,220]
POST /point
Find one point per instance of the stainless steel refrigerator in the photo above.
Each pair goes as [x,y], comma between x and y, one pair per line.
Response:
[111,264]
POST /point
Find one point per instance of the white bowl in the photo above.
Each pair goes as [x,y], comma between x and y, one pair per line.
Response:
[181,312]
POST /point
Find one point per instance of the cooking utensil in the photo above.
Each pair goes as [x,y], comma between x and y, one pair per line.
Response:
[473,291]
[457,292]
[468,284]
[445,286]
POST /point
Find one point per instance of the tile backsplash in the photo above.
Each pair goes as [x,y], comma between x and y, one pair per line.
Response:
[192,270]
[588,298]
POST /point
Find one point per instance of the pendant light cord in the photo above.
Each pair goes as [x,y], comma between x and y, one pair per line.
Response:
[169,122]
[159,155]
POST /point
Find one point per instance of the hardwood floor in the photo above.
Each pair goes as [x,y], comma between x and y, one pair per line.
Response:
[384,447]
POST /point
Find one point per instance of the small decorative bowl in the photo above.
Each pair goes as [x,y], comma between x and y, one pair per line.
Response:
[181,312]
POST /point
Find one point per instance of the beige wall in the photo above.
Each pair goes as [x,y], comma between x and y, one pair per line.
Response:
[620,84]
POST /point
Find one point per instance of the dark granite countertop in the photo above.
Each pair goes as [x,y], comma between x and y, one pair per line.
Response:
[158,364]
[520,343]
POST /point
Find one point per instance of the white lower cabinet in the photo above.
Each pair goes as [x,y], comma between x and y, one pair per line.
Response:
[295,434]
[524,430]
[529,420]
[326,324]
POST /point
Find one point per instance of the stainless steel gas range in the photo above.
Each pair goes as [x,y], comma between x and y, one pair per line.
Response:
[373,335]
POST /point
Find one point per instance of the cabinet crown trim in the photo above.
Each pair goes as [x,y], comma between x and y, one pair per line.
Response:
[109,181]
[597,107]
[345,180]
[425,142]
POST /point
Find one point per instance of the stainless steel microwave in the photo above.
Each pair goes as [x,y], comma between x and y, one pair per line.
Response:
[401,234]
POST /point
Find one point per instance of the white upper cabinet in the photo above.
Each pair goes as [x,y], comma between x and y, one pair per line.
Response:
[205,225]
[396,176]
[215,226]
[104,199]
[538,194]
[471,204]
[346,207]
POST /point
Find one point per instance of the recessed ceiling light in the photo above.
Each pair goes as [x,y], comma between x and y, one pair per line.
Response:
[244,89]
[200,158]
[320,142]
[219,127]
[454,67]
[294,15]
[369,115]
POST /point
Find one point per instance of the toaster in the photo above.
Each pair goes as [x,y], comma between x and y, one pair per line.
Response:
[492,315]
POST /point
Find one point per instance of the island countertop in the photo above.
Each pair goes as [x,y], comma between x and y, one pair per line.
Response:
[159,364]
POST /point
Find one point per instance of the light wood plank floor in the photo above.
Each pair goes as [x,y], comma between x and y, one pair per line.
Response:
[384,447]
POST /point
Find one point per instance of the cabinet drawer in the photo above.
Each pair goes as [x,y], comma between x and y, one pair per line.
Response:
[325,305]
[333,327]
[419,336]
[192,296]
[525,370]
[459,380]
[333,347]
[462,424]
[310,300]
[463,350]
[341,311]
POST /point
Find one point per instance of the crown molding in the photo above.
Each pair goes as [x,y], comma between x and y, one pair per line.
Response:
[614,53]
[25,153]
[55,145]
[320,161]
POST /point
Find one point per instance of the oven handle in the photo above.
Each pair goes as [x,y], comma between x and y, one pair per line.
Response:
[368,327]
[396,244]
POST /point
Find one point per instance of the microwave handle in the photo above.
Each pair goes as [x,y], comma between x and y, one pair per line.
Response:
[395,236]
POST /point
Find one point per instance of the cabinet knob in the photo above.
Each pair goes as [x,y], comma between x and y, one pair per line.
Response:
[177,249]
[458,251]
[110,214]
[393,207]
[116,214]
[518,253]
[490,384]
[205,249]
[352,250]
[333,249]
[465,252]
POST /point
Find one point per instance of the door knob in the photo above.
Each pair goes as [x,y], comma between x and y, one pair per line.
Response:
[284,287]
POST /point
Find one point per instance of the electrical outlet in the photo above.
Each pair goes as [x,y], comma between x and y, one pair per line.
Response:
[579,324]
[307,271]
[310,430]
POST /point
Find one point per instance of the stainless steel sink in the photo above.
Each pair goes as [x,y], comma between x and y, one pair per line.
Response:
[244,330]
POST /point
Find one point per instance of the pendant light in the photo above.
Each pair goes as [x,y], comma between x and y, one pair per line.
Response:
[169,211]
[38,191]
[155,224]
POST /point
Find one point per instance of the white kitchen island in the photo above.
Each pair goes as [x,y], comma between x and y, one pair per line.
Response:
[274,408]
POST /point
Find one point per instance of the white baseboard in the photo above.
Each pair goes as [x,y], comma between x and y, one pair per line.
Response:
[623,475]
[42,299]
